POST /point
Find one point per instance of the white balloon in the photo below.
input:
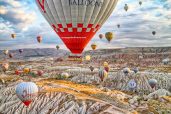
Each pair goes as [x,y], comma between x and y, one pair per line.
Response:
[26,92]
[132,84]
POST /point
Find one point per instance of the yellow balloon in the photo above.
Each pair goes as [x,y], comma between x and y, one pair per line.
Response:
[105,74]
[105,64]
[88,58]
[109,36]
[26,70]
[93,46]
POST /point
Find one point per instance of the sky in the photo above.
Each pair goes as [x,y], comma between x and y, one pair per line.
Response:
[23,18]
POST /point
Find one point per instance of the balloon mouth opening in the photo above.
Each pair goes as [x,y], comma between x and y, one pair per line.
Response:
[27,103]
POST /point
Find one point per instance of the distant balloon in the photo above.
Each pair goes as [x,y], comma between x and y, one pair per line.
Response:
[166,61]
[5,66]
[40,72]
[126,7]
[91,68]
[65,74]
[20,50]
[93,46]
[57,47]
[152,83]
[6,52]
[126,71]
[101,36]
[140,3]
[27,92]
[39,39]
[102,74]
[87,57]
[107,68]
[132,84]
[10,55]
[105,64]
[154,32]
[13,36]
[109,36]
[135,70]
[118,25]
[76,21]
[26,70]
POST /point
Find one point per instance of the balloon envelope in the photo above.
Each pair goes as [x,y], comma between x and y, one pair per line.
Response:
[76,21]
[88,58]
[152,82]
[109,36]
[93,46]
[132,84]
[20,50]
[13,36]
[102,74]
[26,92]
[101,36]
[6,52]
[39,39]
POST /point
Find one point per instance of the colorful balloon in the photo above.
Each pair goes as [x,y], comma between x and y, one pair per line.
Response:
[132,84]
[10,55]
[57,47]
[102,74]
[20,51]
[101,36]
[27,92]
[152,83]
[6,52]
[13,36]
[26,70]
[109,36]
[40,72]
[107,68]
[135,70]
[5,66]
[87,57]
[76,21]
[93,46]
[65,74]
[126,71]
[39,39]
[126,7]
[105,64]
[91,68]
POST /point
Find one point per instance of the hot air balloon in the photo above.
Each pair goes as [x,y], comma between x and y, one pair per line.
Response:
[101,36]
[87,57]
[105,64]
[126,7]
[40,72]
[140,3]
[107,68]
[65,74]
[57,47]
[91,68]
[132,84]
[126,71]
[20,51]
[27,92]
[166,61]
[76,21]
[10,55]
[93,46]
[17,72]
[154,32]
[6,52]
[152,83]
[26,70]
[109,36]
[135,69]
[5,66]
[39,39]
[102,74]
[118,25]
[13,36]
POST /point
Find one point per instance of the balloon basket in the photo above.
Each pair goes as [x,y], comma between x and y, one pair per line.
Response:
[78,58]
